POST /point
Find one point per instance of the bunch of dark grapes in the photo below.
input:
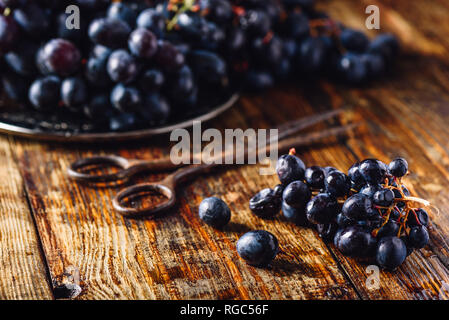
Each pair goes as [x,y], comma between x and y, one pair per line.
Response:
[367,213]
[141,63]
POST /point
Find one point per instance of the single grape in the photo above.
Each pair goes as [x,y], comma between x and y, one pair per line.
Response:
[358,207]
[398,167]
[125,98]
[96,67]
[168,57]
[74,92]
[266,203]
[312,54]
[337,184]
[355,175]
[152,20]
[258,80]
[112,33]
[373,171]
[122,67]
[290,168]
[391,228]
[155,109]
[322,209]
[314,177]
[355,241]
[121,11]
[151,80]
[60,57]
[210,68]
[418,237]
[215,212]
[391,252]
[258,248]
[296,194]
[142,43]
[44,93]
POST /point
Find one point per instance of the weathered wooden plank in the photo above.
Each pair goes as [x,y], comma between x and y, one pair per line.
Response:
[22,268]
[176,256]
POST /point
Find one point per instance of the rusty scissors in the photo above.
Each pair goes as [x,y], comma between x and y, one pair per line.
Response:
[167,187]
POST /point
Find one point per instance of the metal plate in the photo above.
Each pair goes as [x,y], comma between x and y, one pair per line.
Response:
[10,124]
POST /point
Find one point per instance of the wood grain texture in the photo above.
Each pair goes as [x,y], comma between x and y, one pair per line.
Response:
[178,257]
[22,268]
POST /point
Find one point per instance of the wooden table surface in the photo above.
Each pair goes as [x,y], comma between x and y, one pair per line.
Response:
[50,225]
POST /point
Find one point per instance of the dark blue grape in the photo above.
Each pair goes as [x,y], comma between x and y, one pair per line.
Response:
[112,33]
[168,57]
[125,98]
[296,194]
[391,252]
[370,189]
[151,80]
[322,209]
[44,93]
[355,175]
[215,212]
[60,57]
[290,168]
[337,184]
[355,241]
[398,167]
[352,68]
[327,231]
[418,237]
[210,68]
[258,248]
[142,43]
[314,177]
[358,207]
[122,67]
[266,203]
[152,20]
[373,171]
[121,11]
[74,92]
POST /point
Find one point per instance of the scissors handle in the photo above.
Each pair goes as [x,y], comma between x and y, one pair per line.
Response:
[127,168]
[166,188]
